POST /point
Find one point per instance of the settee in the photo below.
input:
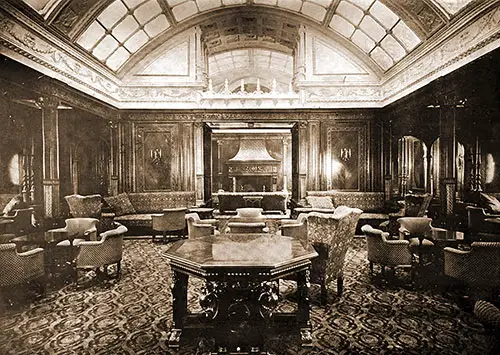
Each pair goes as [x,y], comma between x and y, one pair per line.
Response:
[373,204]
[269,201]
[134,209]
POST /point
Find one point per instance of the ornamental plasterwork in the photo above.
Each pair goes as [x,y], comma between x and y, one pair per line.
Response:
[55,58]
[433,64]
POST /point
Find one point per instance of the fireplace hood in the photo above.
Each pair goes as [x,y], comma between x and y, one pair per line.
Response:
[253,159]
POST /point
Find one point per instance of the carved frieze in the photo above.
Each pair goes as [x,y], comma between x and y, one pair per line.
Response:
[253,169]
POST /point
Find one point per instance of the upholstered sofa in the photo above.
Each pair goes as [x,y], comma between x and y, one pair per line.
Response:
[275,201]
[372,204]
[134,209]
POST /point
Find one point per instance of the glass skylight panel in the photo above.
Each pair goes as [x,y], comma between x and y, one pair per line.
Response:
[363,41]
[135,42]
[112,14]
[324,3]
[184,10]
[350,12]
[312,10]
[372,28]
[342,26]
[125,28]
[173,3]
[119,57]
[392,47]
[146,12]
[233,2]
[406,35]
[157,25]
[382,58]
[133,3]
[293,5]
[265,2]
[91,36]
[383,14]
[105,47]
[204,5]
[364,4]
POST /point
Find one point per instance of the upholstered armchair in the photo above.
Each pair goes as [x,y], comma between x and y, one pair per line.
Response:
[295,228]
[489,315]
[172,222]
[331,235]
[478,267]
[101,253]
[21,268]
[384,251]
[413,205]
[200,227]
[84,206]
[75,231]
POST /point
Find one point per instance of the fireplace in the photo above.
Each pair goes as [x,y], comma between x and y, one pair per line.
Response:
[253,168]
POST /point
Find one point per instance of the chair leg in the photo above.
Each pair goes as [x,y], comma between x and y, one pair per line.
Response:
[118,269]
[371,267]
[324,293]
[153,236]
[340,283]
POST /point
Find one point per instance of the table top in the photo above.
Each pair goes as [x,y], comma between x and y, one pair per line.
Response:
[493,220]
[240,251]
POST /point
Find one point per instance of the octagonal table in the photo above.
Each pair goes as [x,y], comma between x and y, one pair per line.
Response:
[241,289]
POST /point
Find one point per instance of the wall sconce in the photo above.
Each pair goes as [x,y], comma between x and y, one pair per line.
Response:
[155,155]
[345,154]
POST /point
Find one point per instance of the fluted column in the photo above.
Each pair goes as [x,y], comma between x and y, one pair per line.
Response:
[198,161]
[447,157]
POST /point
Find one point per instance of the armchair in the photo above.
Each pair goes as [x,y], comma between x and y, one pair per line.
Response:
[84,206]
[478,267]
[76,230]
[171,222]
[21,268]
[101,253]
[331,235]
[417,230]
[384,251]
[413,205]
[200,227]
[295,228]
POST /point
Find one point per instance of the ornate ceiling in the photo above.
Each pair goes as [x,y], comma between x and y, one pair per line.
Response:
[180,53]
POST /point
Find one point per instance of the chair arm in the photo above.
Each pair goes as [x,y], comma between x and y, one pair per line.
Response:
[403,232]
[289,222]
[31,252]
[396,242]
[87,243]
[456,251]
[491,215]
[204,226]
[211,221]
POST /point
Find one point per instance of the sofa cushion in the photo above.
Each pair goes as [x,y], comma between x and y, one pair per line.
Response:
[156,202]
[120,204]
[320,202]
[490,203]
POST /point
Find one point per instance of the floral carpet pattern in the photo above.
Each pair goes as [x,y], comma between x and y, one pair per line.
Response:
[133,315]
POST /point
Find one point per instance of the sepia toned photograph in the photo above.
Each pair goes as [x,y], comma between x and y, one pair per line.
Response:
[249,177]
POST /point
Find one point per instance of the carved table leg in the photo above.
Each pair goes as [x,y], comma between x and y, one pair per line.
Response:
[179,295]
[303,284]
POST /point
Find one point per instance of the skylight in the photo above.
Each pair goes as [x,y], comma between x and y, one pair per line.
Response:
[122,29]
[315,9]
[375,29]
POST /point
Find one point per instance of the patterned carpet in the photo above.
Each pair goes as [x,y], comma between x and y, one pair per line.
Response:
[133,315]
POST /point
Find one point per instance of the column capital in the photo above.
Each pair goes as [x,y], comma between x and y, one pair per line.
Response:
[47,102]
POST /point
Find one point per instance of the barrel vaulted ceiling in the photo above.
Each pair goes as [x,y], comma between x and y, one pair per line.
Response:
[240,53]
